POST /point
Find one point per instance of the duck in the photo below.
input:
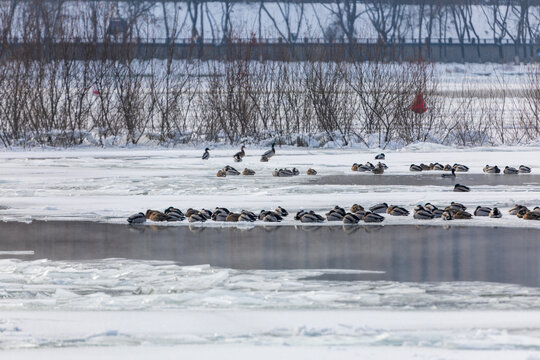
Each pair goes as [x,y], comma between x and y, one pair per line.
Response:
[196,217]
[531,215]
[379,208]
[350,218]
[495,213]
[354,167]
[365,167]
[248,172]
[206,154]
[229,170]
[436,166]
[311,217]
[381,156]
[455,206]
[174,216]
[155,215]
[264,159]
[383,165]
[397,211]
[232,217]
[421,213]
[378,170]
[281,211]
[240,155]
[138,218]
[220,214]
[268,154]
[247,216]
[371,217]
[414,167]
[295,171]
[269,216]
[447,215]
[460,168]
[282,173]
[462,215]
[357,209]
[521,212]
[447,167]
[491,169]
[425,167]
[451,175]
[510,170]
[311,172]
[190,212]
[516,208]
[299,214]
[221,173]
[207,214]
[524,169]
[461,188]
[482,211]
[334,215]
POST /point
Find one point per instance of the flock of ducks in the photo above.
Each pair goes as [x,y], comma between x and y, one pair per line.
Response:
[357,213]
[239,156]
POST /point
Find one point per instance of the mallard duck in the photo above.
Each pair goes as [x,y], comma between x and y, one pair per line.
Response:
[281,211]
[378,170]
[531,215]
[383,165]
[221,173]
[462,215]
[269,216]
[264,159]
[447,215]
[397,211]
[510,170]
[524,169]
[295,171]
[371,217]
[206,154]
[311,172]
[460,168]
[354,167]
[232,217]
[206,213]
[173,210]
[380,157]
[358,209]
[421,213]
[282,173]
[229,170]
[369,165]
[425,167]
[265,213]
[350,218]
[155,215]
[482,211]
[240,155]
[311,217]
[437,166]
[247,216]
[414,167]
[451,175]
[196,217]
[190,212]
[220,215]
[461,188]
[248,172]
[495,213]
[491,169]
[268,154]
[334,215]
[379,208]
[514,210]
[447,167]
[434,210]
[521,212]
[458,206]
[138,218]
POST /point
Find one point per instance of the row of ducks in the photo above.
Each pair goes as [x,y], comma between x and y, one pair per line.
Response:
[242,153]
[494,169]
[355,214]
[523,212]
[439,167]
[230,171]
[369,167]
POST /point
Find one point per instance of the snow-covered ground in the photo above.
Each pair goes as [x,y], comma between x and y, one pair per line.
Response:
[109,185]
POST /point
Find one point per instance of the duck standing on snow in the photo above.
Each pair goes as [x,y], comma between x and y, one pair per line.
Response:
[268,154]
[380,157]
[240,155]
[206,154]
[482,211]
